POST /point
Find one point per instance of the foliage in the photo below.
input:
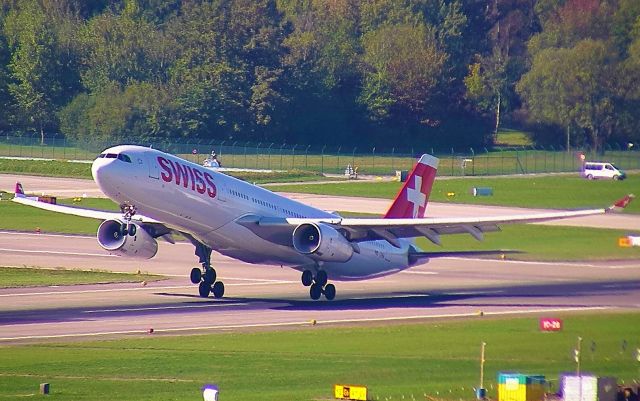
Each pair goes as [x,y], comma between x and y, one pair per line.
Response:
[438,73]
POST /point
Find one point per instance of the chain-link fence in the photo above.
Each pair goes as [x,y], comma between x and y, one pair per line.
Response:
[335,159]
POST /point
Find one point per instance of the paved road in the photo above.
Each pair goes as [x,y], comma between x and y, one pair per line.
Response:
[272,297]
[71,187]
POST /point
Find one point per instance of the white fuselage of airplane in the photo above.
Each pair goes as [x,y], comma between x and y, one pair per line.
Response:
[207,204]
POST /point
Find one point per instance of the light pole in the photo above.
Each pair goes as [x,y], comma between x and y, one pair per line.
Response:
[481,392]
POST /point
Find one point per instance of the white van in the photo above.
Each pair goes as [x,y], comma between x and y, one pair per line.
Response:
[593,170]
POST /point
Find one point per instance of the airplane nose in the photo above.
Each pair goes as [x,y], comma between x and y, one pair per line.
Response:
[102,172]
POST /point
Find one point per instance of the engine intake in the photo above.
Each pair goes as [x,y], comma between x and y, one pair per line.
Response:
[322,242]
[136,242]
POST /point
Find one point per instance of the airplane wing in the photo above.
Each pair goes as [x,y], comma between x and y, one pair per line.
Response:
[33,201]
[279,230]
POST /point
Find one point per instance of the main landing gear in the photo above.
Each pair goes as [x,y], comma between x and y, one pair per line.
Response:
[206,277]
[318,285]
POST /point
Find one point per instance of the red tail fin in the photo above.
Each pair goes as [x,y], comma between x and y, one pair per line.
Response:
[411,201]
[19,190]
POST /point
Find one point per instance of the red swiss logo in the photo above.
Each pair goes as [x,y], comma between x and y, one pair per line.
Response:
[189,177]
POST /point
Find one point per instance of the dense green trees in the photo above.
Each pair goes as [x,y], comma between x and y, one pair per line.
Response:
[581,69]
[392,73]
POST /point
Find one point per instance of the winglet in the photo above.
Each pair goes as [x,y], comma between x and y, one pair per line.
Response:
[19,190]
[621,203]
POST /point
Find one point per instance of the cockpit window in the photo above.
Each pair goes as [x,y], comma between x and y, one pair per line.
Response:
[120,156]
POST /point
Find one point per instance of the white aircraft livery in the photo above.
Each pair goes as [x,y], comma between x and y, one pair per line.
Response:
[161,194]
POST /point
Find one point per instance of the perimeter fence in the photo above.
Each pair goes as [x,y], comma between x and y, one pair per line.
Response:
[334,159]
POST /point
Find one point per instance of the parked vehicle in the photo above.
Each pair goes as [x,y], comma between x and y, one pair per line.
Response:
[594,170]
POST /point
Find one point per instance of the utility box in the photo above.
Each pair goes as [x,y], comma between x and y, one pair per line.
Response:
[482,191]
[520,387]
[402,175]
[587,387]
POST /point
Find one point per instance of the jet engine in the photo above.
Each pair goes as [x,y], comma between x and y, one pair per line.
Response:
[134,242]
[322,242]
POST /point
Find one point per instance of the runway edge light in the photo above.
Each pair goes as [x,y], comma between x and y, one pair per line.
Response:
[210,392]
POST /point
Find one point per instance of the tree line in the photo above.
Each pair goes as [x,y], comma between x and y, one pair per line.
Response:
[437,73]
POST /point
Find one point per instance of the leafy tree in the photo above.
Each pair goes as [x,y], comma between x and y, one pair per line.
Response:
[403,71]
[35,69]
[122,49]
[486,83]
[573,86]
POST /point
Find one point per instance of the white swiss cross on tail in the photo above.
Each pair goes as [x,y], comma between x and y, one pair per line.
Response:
[412,202]
[416,197]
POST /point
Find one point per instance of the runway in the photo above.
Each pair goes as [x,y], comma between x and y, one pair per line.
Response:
[267,297]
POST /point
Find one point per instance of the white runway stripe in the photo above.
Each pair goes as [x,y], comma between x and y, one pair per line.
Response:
[299,323]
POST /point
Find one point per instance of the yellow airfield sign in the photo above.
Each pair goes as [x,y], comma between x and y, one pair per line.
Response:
[350,392]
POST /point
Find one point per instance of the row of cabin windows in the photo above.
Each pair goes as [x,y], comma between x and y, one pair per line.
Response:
[239,194]
[263,203]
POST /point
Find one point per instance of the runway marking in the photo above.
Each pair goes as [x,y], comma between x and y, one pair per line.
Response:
[300,323]
[528,262]
[419,272]
[156,308]
[122,379]
[102,255]
[147,288]
[16,233]
[475,292]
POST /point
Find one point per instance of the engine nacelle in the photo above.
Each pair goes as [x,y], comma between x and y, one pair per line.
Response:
[134,243]
[321,242]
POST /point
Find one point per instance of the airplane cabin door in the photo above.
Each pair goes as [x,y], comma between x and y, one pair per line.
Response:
[154,169]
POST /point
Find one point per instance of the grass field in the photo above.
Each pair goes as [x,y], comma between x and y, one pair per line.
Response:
[57,168]
[21,277]
[512,137]
[514,156]
[559,192]
[436,359]
[51,168]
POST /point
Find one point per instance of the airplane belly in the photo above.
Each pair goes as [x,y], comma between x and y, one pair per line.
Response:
[232,239]
[369,263]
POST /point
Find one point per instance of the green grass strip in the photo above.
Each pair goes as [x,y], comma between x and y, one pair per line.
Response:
[439,360]
[31,277]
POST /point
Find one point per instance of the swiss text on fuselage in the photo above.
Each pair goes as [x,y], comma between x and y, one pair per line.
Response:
[188,177]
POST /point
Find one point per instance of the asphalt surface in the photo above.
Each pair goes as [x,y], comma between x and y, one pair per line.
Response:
[268,297]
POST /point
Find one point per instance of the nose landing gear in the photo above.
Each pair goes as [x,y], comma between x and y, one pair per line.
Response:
[318,285]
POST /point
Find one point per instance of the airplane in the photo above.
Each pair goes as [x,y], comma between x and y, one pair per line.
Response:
[161,194]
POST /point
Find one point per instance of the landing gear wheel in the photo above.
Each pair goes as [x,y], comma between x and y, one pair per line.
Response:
[132,230]
[210,276]
[204,289]
[218,289]
[589,177]
[315,291]
[196,275]
[321,278]
[307,278]
[330,292]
